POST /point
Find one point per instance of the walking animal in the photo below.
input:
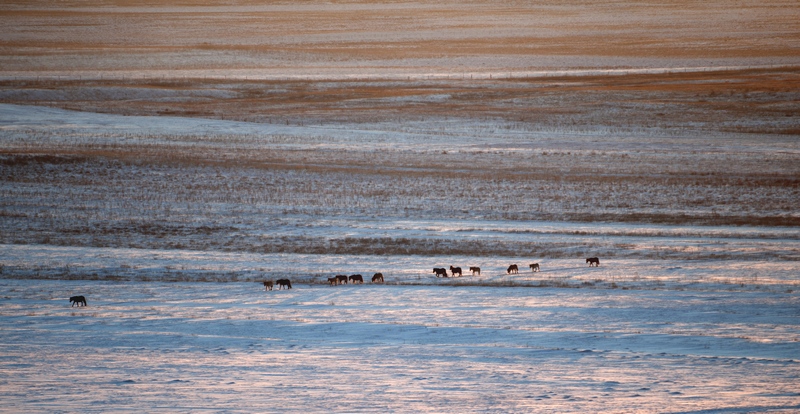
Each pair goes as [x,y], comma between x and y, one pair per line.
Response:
[341,279]
[356,278]
[77,300]
[475,269]
[534,267]
[455,270]
[333,281]
[267,285]
[283,283]
[377,278]
[440,271]
[512,269]
[593,261]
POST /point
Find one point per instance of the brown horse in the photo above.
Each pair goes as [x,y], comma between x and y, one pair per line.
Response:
[475,269]
[440,271]
[455,270]
[356,278]
[378,277]
[267,285]
[333,281]
[77,300]
[534,267]
[593,261]
[341,279]
[512,269]
[283,283]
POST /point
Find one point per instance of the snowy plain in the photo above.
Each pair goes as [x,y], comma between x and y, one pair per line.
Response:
[232,347]
[678,318]
[261,140]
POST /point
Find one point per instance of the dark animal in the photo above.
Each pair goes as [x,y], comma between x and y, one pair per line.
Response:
[267,285]
[593,261]
[378,277]
[512,269]
[474,270]
[440,271]
[341,279]
[534,267]
[333,281]
[356,278]
[283,283]
[455,270]
[77,300]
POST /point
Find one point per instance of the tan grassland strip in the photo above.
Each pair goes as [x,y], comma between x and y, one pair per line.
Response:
[394,37]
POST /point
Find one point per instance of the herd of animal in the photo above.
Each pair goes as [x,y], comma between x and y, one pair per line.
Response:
[512,269]
[333,281]
[343,279]
[376,278]
[439,271]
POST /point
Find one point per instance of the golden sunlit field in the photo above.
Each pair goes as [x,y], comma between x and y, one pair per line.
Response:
[347,38]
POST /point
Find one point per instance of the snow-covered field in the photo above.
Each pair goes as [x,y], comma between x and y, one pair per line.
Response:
[170,252]
[232,347]
[164,160]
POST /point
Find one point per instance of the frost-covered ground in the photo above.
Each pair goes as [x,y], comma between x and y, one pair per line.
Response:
[163,160]
[97,180]
[167,225]
[54,262]
[232,347]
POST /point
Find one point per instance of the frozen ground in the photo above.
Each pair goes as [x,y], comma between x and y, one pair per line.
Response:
[474,190]
[167,225]
[98,185]
[232,347]
[53,262]
[164,160]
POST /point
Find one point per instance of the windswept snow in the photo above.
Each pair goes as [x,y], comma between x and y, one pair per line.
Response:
[232,347]
[252,141]
[170,255]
